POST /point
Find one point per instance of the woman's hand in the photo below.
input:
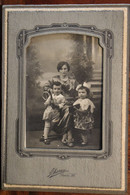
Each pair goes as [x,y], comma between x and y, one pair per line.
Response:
[77,106]
[54,106]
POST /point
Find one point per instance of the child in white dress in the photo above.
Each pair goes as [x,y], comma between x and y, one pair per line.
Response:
[84,107]
[53,104]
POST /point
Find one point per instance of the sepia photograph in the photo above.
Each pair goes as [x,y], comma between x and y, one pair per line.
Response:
[64,92]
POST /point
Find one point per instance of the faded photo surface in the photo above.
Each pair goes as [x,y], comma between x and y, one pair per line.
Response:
[64,92]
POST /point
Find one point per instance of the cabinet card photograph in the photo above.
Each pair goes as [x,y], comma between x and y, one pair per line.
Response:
[65,98]
[64,92]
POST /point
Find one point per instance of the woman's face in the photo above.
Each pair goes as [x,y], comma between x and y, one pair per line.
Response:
[64,70]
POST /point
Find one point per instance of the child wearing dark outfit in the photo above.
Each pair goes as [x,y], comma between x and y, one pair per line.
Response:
[84,108]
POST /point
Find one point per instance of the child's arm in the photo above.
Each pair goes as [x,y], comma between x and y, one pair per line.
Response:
[62,103]
[92,106]
[47,102]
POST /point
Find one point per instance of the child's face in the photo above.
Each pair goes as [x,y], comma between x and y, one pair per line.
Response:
[82,93]
[56,90]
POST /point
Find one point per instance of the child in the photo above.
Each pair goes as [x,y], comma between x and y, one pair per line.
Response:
[53,104]
[84,108]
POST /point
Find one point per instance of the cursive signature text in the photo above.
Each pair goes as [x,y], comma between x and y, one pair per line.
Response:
[63,172]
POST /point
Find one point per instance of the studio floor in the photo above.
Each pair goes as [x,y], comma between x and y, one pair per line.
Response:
[33,141]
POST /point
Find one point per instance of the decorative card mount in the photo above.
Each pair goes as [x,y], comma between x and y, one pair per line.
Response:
[65,97]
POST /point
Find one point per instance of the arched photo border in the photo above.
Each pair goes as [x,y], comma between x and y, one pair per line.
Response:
[106,42]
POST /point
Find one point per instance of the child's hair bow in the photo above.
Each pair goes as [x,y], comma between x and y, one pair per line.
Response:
[87,85]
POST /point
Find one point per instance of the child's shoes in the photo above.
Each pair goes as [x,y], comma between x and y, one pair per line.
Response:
[42,138]
[64,141]
[84,143]
[70,144]
[46,141]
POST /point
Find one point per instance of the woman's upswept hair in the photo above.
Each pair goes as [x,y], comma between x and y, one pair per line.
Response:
[60,64]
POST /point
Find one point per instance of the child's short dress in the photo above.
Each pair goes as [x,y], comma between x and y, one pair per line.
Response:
[53,114]
[84,120]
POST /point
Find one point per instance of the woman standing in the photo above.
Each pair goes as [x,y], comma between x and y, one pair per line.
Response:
[65,124]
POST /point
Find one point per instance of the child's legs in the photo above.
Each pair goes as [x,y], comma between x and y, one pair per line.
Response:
[84,136]
[46,129]
[64,138]
[70,138]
